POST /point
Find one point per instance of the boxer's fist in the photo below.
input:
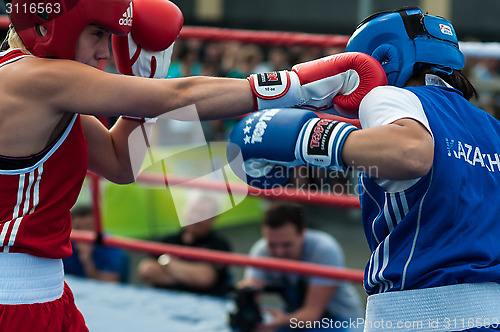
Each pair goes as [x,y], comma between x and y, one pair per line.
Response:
[156,24]
[266,141]
[271,141]
[339,81]
[131,59]
[147,50]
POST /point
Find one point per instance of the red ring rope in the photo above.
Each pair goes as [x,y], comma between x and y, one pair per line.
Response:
[220,257]
[264,37]
[291,194]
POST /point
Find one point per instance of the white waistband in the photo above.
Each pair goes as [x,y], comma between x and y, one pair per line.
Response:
[26,279]
[447,308]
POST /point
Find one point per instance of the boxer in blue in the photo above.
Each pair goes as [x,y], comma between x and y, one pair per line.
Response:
[429,202]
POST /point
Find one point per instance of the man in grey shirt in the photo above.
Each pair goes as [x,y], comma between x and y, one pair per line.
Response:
[311,302]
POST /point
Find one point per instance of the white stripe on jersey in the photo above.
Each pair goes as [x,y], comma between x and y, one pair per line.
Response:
[403,278]
[376,275]
[27,199]
[372,270]
[15,214]
[379,210]
[36,190]
[20,193]
[395,208]
[24,199]
[5,228]
[387,283]
[404,203]
[387,215]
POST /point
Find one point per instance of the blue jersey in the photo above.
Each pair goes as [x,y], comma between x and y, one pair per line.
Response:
[444,229]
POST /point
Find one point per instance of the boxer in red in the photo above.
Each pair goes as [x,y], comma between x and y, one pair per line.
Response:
[50,91]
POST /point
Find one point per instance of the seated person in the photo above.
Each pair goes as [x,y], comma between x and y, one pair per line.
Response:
[307,298]
[177,273]
[91,260]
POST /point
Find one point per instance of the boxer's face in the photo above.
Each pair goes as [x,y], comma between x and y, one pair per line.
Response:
[93,45]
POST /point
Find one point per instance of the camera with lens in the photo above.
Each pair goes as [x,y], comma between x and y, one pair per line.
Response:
[246,314]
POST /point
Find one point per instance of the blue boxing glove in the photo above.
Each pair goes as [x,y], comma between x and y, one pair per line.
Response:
[272,141]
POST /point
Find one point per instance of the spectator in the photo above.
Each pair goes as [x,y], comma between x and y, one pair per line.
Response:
[212,53]
[307,298]
[228,60]
[487,70]
[91,260]
[277,59]
[173,272]
[185,61]
[246,58]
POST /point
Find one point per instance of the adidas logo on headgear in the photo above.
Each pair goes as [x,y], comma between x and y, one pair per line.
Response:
[127,17]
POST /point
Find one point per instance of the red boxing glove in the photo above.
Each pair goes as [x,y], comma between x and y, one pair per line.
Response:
[147,50]
[156,24]
[339,81]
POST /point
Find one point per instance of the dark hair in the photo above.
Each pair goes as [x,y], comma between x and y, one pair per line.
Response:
[279,214]
[457,80]
[81,211]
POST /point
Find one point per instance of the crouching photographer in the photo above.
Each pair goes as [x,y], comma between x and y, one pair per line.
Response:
[311,303]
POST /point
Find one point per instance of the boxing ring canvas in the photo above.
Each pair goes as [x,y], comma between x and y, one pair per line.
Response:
[128,308]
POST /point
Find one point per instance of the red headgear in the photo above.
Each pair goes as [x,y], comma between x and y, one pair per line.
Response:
[64,21]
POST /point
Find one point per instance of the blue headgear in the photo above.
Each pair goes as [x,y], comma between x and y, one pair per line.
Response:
[401,39]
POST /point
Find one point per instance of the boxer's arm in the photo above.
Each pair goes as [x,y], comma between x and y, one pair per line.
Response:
[250,282]
[199,275]
[196,275]
[109,150]
[77,88]
[401,150]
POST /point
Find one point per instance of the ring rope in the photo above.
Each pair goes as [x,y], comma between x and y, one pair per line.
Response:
[221,257]
[263,37]
[470,49]
[291,194]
